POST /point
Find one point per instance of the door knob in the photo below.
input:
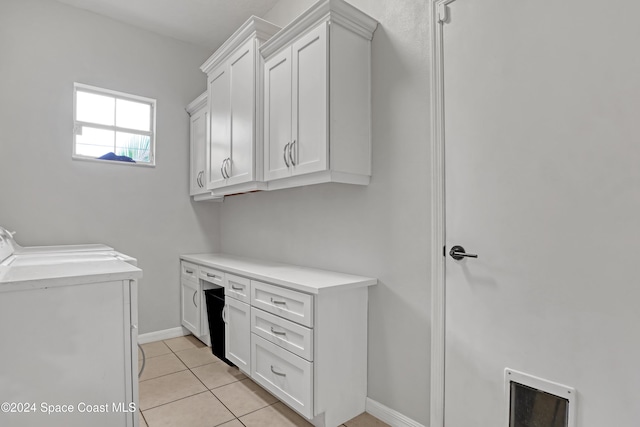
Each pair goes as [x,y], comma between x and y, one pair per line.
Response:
[458,252]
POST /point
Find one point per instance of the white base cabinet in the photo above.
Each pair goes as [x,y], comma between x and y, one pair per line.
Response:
[194,280]
[298,332]
[237,344]
[190,297]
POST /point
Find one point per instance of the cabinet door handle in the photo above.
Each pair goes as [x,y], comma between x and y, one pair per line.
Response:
[293,144]
[222,169]
[286,160]
[237,288]
[202,179]
[224,314]
[274,301]
[194,298]
[189,271]
[278,373]
[228,171]
[277,332]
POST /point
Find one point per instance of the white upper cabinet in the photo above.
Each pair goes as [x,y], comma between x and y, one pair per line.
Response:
[277,109]
[317,98]
[233,162]
[199,122]
[219,147]
[296,108]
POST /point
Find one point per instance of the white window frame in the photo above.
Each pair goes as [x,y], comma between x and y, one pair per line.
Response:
[118,95]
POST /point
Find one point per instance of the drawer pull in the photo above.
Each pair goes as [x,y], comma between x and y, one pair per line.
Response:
[237,288]
[277,373]
[277,332]
[273,301]
[189,271]
[213,275]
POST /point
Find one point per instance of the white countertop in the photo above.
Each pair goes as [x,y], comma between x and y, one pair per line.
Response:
[303,279]
[13,278]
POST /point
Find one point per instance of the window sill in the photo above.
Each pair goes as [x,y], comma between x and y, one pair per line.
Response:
[113,162]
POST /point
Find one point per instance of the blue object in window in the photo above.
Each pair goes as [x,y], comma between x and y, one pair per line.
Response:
[114,156]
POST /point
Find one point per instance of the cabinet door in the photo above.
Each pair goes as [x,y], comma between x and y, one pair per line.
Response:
[219,130]
[237,334]
[190,306]
[310,95]
[242,93]
[198,136]
[277,115]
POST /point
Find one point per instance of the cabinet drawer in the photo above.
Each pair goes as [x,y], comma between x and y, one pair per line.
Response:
[189,271]
[292,305]
[237,287]
[288,335]
[284,374]
[212,275]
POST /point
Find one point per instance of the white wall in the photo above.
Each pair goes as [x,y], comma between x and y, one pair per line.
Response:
[380,230]
[49,198]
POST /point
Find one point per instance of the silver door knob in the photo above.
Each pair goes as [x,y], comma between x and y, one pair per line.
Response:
[458,252]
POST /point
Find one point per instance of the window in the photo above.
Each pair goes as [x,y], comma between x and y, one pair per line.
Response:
[110,125]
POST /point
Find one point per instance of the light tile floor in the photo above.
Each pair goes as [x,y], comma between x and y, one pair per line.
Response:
[183,384]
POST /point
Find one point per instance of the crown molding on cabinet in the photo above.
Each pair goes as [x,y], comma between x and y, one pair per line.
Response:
[337,11]
[197,103]
[253,27]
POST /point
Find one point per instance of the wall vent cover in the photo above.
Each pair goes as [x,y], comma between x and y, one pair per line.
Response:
[534,402]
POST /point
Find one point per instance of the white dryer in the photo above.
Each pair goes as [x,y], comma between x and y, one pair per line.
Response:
[68,325]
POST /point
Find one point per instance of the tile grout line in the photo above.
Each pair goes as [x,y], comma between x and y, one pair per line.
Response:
[259,409]
[203,384]
[190,369]
[215,388]
[173,401]
[228,409]
[164,375]
[216,397]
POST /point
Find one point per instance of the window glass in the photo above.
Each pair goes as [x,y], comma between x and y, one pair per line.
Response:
[94,142]
[133,115]
[113,126]
[133,145]
[94,108]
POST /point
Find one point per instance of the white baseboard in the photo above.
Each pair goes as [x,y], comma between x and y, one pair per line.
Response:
[389,416]
[163,335]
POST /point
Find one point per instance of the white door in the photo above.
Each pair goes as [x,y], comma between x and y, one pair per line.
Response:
[190,306]
[310,147]
[542,160]
[242,89]
[277,116]
[218,148]
[237,334]
[198,137]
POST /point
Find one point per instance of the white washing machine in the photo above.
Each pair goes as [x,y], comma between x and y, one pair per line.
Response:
[68,327]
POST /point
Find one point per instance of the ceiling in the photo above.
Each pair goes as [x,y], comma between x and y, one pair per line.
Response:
[207,23]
